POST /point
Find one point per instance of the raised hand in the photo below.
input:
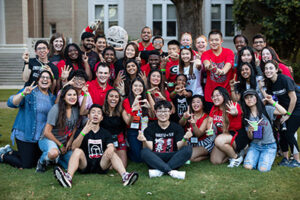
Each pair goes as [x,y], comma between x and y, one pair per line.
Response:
[70,82]
[136,103]
[141,137]
[88,127]
[85,58]
[188,134]
[143,76]
[29,89]
[120,77]
[101,57]
[25,56]
[232,82]
[232,108]
[85,89]
[164,61]
[65,72]
[121,88]
[187,114]
[153,90]
[192,120]
[144,103]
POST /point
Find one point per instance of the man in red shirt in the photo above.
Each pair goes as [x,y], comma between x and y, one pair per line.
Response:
[146,36]
[153,62]
[99,87]
[172,66]
[218,62]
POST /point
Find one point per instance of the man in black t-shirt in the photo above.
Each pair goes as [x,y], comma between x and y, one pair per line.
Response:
[88,44]
[165,144]
[34,66]
[94,152]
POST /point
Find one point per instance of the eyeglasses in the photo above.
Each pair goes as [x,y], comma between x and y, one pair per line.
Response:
[78,79]
[185,47]
[157,42]
[45,77]
[258,42]
[163,111]
[216,96]
[41,48]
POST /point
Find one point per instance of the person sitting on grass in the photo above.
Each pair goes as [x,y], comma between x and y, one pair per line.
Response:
[56,141]
[94,152]
[165,144]
[258,120]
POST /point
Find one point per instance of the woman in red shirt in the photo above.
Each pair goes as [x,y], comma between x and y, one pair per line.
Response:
[136,110]
[226,119]
[197,120]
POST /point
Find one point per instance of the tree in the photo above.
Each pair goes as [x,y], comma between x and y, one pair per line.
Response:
[278,19]
[189,16]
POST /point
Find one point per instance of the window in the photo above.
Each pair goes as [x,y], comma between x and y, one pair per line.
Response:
[109,12]
[222,18]
[161,17]
[52,28]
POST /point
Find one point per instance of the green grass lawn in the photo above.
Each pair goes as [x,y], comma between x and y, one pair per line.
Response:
[203,181]
[6,93]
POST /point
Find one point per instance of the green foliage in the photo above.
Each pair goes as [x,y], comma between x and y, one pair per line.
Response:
[278,19]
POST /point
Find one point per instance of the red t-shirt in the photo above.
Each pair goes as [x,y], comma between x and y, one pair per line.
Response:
[127,107]
[213,80]
[112,70]
[146,68]
[97,93]
[172,69]
[60,65]
[148,48]
[235,122]
[285,70]
[199,123]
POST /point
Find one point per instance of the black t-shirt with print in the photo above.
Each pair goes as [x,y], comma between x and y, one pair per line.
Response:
[164,140]
[94,144]
[36,68]
[181,105]
[281,88]
[115,125]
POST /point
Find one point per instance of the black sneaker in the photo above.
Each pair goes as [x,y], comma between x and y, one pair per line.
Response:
[284,162]
[294,163]
[62,177]
[130,178]
[40,167]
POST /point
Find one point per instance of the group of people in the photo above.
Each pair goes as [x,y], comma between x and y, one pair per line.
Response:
[84,109]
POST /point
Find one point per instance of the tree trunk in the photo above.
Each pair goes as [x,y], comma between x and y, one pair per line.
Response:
[189,16]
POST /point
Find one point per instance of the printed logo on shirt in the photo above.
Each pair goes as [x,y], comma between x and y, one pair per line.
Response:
[215,77]
[280,92]
[181,106]
[95,148]
[163,142]
[37,68]
[174,69]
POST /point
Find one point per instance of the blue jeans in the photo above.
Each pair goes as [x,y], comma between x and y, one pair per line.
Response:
[135,146]
[46,145]
[261,156]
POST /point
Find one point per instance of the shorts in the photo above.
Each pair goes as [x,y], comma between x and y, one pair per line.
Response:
[207,143]
[121,142]
[241,139]
[93,166]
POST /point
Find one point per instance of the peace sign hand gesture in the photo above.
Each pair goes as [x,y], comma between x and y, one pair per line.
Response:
[232,108]
[188,134]
[85,58]
[29,89]
[232,82]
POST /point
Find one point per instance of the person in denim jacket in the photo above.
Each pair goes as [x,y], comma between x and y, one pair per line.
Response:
[33,102]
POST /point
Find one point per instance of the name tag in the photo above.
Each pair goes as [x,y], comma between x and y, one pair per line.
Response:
[194,140]
[135,124]
[116,144]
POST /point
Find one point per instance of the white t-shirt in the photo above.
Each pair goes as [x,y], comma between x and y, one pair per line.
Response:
[194,80]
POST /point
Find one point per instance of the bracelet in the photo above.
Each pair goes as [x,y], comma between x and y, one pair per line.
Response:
[274,104]
[174,92]
[148,92]
[183,139]
[61,146]
[288,113]
[85,95]
[82,133]
[22,94]
[26,63]
[53,77]
[162,70]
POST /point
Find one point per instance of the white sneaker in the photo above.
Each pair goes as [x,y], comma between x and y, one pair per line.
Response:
[177,174]
[155,173]
[235,162]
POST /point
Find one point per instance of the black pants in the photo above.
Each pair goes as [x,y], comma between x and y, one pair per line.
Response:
[26,157]
[166,162]
[287,137]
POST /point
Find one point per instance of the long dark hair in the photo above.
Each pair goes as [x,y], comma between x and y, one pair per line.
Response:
[275,58]
[226,98]
[161,85]
[79,60]
[136,48]
[117,110]
[39,77]
[131,96]
[110,48]
[52,50]
[62,106]
[261,110]
[242,85]
[181,63]
[127,76]
[252,62]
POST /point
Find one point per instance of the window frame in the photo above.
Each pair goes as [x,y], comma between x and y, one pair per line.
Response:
[149,17]
[91,11]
